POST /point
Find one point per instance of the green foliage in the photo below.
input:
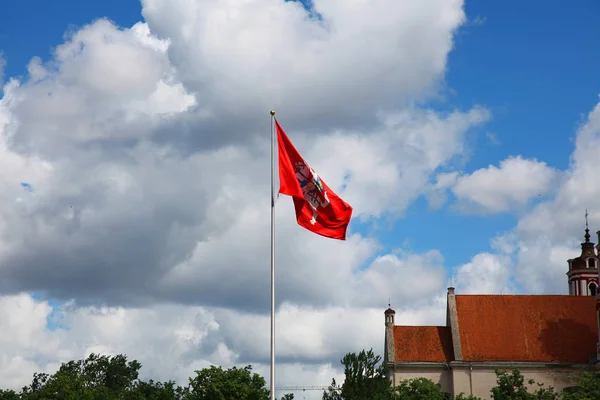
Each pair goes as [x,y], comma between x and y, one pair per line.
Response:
[364,379]
[9,395]
[588,387]
[215,383]
[115,378]
[419,389]
[156,391]
[511,386]
[462,396]
[96,378]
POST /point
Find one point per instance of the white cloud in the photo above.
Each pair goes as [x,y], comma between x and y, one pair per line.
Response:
[172,218]
[510,186]
[390,168]
[437,192]
[106,85]
[405,279]
[486,273]
[267,54]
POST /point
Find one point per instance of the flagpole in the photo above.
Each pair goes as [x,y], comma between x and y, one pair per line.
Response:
[272,378]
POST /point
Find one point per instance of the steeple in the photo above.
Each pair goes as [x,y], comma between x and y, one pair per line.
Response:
[587,247]
[587,228]
[583,270]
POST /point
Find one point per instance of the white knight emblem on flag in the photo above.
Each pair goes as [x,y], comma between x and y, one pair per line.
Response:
[312,188]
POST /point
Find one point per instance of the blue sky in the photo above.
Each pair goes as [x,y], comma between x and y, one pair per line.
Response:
[533,67]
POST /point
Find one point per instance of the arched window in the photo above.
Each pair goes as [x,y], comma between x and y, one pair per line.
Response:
[591,263]
[593,288]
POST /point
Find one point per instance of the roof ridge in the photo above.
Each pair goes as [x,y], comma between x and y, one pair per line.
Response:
[516,295]
[422,326]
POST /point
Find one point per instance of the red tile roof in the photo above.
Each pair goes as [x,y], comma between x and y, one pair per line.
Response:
[423,343]
[527,328]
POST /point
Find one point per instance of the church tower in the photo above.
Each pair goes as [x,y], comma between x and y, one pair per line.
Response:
[583,270]
[598,305]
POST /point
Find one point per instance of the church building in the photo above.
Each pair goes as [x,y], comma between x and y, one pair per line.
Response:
[550,338]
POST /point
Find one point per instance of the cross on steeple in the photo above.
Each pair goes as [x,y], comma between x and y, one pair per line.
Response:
[587,229]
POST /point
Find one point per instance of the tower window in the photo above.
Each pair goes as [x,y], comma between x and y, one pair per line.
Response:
[591,263]
[593,289]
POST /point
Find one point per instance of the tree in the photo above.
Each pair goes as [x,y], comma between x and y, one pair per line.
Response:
[156,391]
[215,383]
[95,378]
[511,386]
[462,396]
[115,378]
[418,389]
[8,395]
[588,387]
[364,379]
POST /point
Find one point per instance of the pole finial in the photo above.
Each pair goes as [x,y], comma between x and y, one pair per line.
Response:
[272,112]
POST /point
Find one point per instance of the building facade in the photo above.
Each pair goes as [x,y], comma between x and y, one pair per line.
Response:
[550,338]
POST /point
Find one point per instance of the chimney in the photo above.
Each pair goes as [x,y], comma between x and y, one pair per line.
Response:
[452,322]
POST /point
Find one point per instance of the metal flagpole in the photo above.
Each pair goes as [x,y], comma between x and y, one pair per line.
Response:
[272,379]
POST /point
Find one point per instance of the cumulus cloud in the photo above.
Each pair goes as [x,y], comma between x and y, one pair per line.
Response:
[437,192]
[126,218]
[405,279]
[486,273]
[340,68]
[510,186]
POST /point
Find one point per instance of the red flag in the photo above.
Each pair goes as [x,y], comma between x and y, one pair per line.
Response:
[318,208]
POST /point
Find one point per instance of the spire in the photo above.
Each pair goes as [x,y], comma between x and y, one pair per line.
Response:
[587,247]
[587,228]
